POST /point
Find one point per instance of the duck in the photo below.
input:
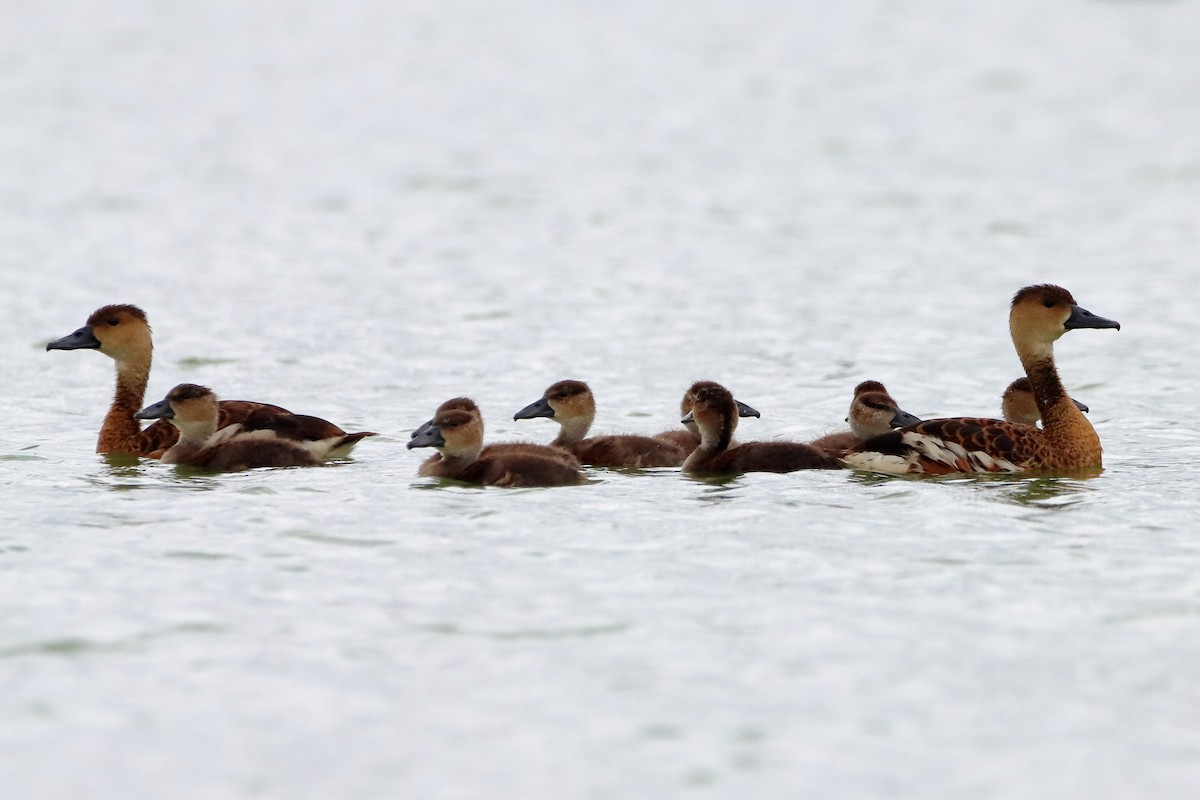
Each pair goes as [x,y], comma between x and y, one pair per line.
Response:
[715,413]
[1066,442]
[689,437]
[468,405]
[872,412]
[194,411]
[1018,404]
[571,404]
[458,437]
[122,333]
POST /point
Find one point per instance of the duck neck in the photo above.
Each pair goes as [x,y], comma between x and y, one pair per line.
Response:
[1053,403]
[716,439]
[119,424]
[572,431]
[460,457]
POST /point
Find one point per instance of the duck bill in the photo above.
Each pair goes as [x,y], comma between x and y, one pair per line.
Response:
[424,426]
[746,411]
[82,339]
[160,410]
[1082,318]
[428,435]
[688,418]
[903,419]
[1080,405]
[538,408]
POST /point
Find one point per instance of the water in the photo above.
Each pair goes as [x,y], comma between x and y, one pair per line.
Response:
[362,210]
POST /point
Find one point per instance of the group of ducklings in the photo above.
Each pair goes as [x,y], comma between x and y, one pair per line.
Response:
[193,428]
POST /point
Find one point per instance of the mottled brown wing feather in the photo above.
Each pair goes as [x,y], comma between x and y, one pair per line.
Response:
[1011,442]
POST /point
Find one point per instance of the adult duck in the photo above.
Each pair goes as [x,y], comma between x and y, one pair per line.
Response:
[1066,441]
[122,333]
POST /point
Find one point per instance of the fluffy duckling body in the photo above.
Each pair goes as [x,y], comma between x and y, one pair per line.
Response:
[572,405]
[1018,403]
[193,410]
[466,404]
[688,438]
[1038,317]
[715,413]
[458,436]
[872,412]
[122,333]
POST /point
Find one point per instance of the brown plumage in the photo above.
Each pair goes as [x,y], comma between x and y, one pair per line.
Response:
[1038,317]
[688,438]
[497,448]
[122,333]
[1018,403]
[715,413]
[458,436]
[193,410]
[872,412]
[572,406]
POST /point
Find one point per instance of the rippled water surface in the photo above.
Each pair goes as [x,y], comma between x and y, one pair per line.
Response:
[359,210]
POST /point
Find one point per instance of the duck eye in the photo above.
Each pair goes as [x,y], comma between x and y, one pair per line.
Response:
[113,321]
[1049,303]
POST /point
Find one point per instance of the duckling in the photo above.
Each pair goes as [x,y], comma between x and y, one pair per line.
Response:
[688,439]
[122,333]
[193,410]
[458,436]
[1019,405]
[468,405]
[716,414]
[572,406]
[872,412]
[1066,441]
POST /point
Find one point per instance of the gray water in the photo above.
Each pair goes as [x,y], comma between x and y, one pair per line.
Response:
[361,209]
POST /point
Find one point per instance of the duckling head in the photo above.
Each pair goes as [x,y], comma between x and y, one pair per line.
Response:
[455,433]
[190,408]
[1041,314]
[568,403]
[453,404]
[715,414]
[874,413]
[121,332]
[1018,403]
[689,398]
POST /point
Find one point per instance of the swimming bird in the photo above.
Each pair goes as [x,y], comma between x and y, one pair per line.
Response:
[496,448]
[715,413]
[572,405]
[872,412]
[122,333]
[193,410]
[688,439]
[1066,441]
[458,437]
[1019,405]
